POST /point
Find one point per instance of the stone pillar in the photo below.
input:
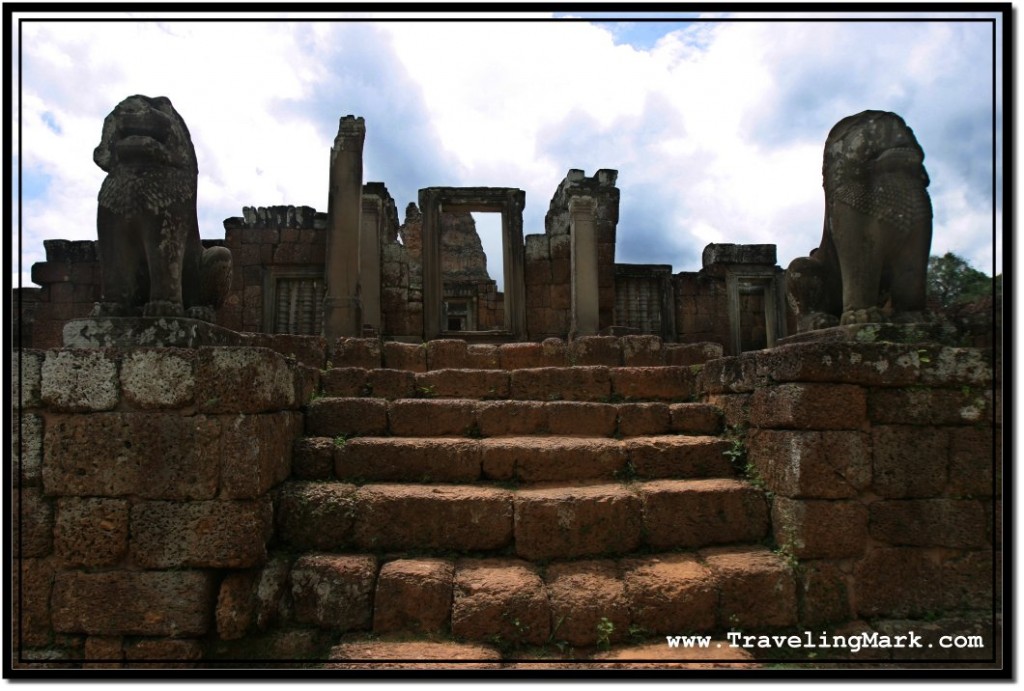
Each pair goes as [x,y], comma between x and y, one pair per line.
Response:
[369,260]
[585,294]
[344,207]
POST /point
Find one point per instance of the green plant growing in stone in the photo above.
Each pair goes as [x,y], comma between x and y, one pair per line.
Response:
[605,629]
[426,391]
[341,440]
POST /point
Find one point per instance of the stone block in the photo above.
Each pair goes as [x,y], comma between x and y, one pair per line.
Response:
[501,418]
[813,465]
[502,598]
[27,449]
[809,406]
[815,529]
[482,356]
[910,461]
[585,596]
[570,522]
[930,406]
[823,594]
[551,353]
[333,591]
[313,458]
[432,517]
[581,418]
[865,364]
[550,459]
[432,418]
[256,452]
[679,457]
[653,383]
[688,354]
[695,513]
[595,351]
[31,612]
[695,418]
[670,592]
[171,653]
[947,366]
[735,408]
[398,459]
[757,589]
[271,592]
[310,351]
[973,459]
[149,332]
[159,378]
[244,380]
[637,419]
[561,383]
[414,595]
[446,354]
[27,377]
[207,534]
[899,582]
[405,356]
[80,380]
[236,605]
[428,655]
[355,352]
[954,523]
[148,603]
[390,383]
[33,524]
[91,531]
[464,383]
[315,515]
[642,351]
[152,455]
[345,382]
[104,652]
[331,417]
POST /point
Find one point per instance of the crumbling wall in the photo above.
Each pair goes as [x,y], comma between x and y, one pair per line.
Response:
[70,287]
[883,463]
[142,482]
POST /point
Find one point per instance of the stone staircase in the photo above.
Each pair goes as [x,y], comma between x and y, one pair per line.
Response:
[524,501]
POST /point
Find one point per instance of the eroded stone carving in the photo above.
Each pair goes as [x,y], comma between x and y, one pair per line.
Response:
[873,257]
[152,259]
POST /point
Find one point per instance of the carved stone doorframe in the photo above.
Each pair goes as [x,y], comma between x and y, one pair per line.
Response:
[507,201]
[770,282]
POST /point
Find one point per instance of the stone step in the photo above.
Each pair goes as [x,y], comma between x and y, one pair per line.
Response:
[579,383]
[563,521]
[410,417]
[521,459]
[609,351]
[512,603]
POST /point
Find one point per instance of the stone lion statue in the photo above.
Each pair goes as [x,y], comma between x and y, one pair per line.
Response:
[872,262]
[152,259]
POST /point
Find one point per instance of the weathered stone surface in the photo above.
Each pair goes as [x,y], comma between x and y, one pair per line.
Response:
[414,595]
[390,383]
[80,380]
[27,377]
[727,253]
[695,418]
[642,351]
[208,534]
[310,351]
[581,418]
[106,651]
[464,383]
[331,417]
[721,655]
[236,605]
[152,455]
[347,382]
[595,351]
[149,603]
[757,588]
[909,461]
[405,356]
[809,406]
[91,531]
[446,354]
[313,458]
[973,458]
[499,418]
[146,332]
[446,517]
[955,523]
[272,595]
[355,352]
[678,457]
[930,406]
[388,655]
[585,596]
[31,612]
[500,597]
[687,354]
[315,515]
[482,356]
[244,380]
[694,513]
[172,654]
[811,529]
[334,592]
[256,452]
[822,593]
[432,418]
[545,459]
[636,419]
[397,459]
[549,353]
[817,465]
[561,383]
[32,518]
[568,522]
[897,582]
[670,592]
[158,378]
[652,383]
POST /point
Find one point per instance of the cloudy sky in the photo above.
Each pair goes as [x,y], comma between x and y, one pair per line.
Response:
[715,124]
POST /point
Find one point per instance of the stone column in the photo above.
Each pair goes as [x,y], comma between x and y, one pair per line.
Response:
[344,207]
[585,294]
[369,260]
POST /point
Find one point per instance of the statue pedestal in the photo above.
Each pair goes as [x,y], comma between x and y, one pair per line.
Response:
[922,332]
[146,332]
